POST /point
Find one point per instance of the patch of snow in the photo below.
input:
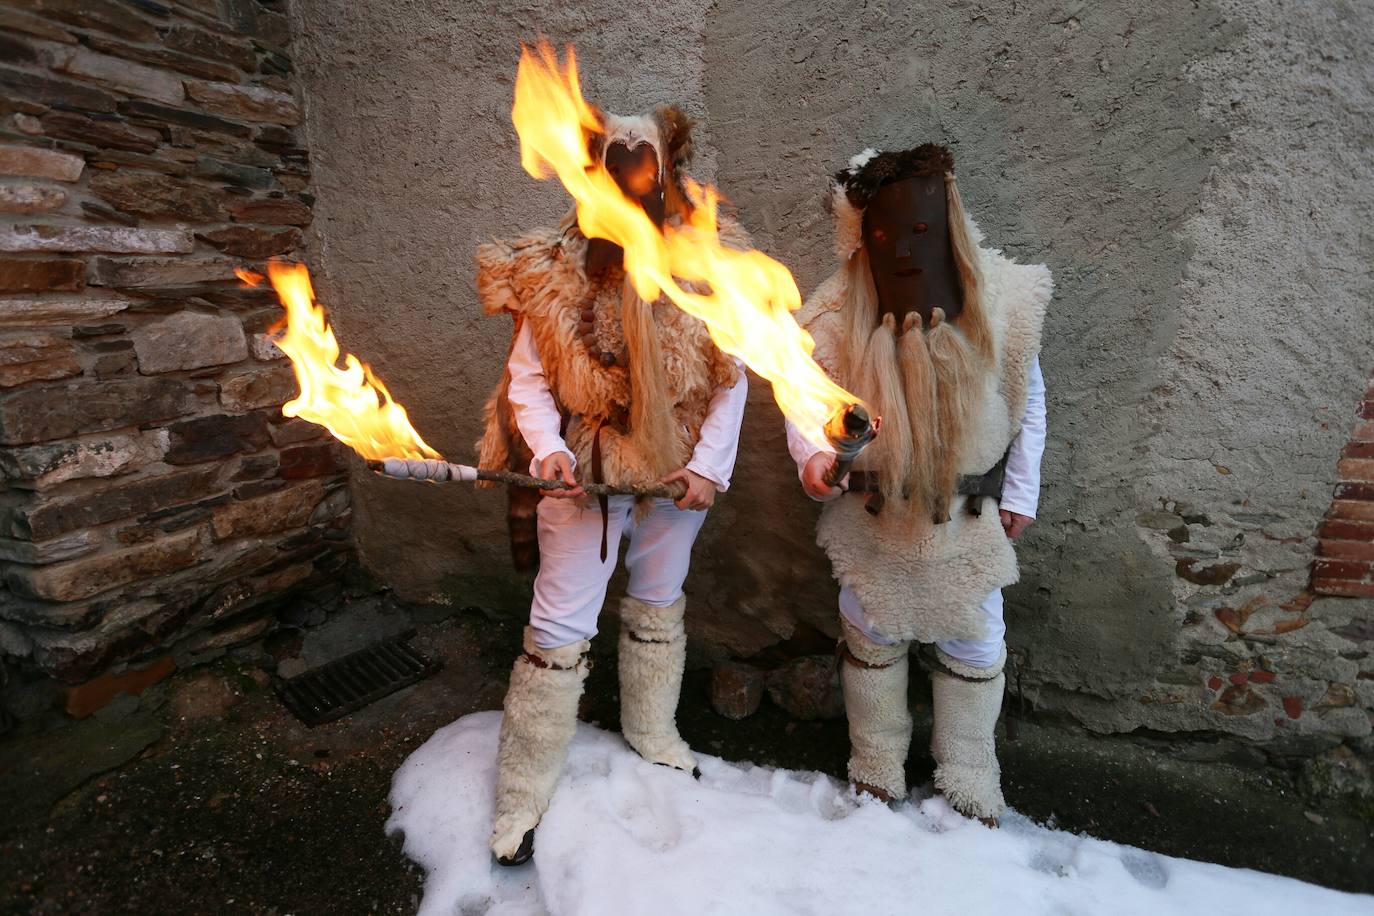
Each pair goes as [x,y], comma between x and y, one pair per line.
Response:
[626,837]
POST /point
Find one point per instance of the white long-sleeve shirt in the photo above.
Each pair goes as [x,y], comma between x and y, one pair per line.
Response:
[1021,485]
[536,414]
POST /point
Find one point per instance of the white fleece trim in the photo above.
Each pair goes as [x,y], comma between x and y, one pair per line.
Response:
[879,720]
[964,745]
[964,669]
[849,223]
[653,654]
[931,589]
[539,721]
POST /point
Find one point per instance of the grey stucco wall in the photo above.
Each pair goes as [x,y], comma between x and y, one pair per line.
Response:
[1195,174]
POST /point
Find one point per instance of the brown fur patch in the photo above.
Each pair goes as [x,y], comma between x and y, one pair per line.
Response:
[927,159]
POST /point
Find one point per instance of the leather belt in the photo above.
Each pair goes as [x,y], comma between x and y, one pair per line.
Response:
[974,486]
[602,499]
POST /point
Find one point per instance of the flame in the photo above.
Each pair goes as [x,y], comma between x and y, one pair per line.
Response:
[350,402]
[749,298]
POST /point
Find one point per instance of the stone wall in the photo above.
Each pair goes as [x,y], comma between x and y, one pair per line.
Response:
[1195,175]
[153,496]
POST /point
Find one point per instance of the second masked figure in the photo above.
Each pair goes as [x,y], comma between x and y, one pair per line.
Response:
[941,337]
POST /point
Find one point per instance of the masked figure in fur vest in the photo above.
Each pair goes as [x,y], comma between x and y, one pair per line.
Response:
[601,386]
[941,337]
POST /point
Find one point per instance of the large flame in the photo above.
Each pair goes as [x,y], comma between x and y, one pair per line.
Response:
[349,401]
[749,297]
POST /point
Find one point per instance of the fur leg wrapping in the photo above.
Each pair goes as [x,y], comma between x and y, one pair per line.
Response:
[653,652]
[875,703]
[967,701]
[539,721]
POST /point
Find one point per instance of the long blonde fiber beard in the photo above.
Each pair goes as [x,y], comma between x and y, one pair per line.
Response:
[652,434]
[926,384]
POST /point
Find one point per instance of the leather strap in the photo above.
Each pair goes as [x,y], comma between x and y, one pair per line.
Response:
[541,662]
[602,499]
[973,486]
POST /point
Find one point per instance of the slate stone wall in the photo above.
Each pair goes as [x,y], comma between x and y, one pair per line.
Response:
[153,502]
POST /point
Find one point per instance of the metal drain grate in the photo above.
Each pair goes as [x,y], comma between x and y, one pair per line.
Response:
[346,685]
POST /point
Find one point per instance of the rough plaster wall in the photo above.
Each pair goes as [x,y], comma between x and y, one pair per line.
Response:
[1078,143]
[418,164]
[1273,343]
[1209,334]
[1211,328]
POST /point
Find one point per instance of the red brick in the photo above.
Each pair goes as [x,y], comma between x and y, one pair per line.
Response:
[1367,410]
[1364,431]
[1292,706]
[1342,569]
[1346,550]
[1261,677]
[1359,470]
[1360,491]
[1216,574]
[1343,529]
[1356,510]
[1289,625]
[1214,683]
[1344,589]
[1240,677]
[1229,618]
[1239,700]
[1358,450]
[92,696]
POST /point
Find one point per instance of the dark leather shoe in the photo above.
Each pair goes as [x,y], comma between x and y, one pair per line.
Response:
[521,855]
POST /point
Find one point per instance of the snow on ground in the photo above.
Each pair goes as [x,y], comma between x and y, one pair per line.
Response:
[625,837]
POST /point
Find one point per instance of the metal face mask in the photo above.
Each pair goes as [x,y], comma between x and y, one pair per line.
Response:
[636,172]
[906,236]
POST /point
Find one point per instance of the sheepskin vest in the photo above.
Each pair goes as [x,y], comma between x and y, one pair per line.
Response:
[927,584]
[541,278]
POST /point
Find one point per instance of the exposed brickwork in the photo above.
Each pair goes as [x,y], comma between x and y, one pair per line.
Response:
[1278,622]
[1346,547]
[149,487]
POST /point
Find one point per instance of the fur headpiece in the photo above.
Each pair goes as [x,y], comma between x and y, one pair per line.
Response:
[852,189]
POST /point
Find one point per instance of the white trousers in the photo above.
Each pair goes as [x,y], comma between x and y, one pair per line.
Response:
[979,653]
[571,586]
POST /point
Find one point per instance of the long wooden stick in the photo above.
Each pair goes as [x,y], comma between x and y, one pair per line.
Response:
[510,478]
[438,471]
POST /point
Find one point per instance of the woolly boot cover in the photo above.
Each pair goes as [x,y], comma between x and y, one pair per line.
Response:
[653,652]
[539,721]
[962,742]
[879,720]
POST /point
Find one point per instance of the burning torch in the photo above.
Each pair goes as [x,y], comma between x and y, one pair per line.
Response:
[745,299]
[849,430]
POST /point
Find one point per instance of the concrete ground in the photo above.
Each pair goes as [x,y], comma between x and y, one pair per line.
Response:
[205,795]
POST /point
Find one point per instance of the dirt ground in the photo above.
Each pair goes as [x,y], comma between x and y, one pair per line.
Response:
[204,795]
